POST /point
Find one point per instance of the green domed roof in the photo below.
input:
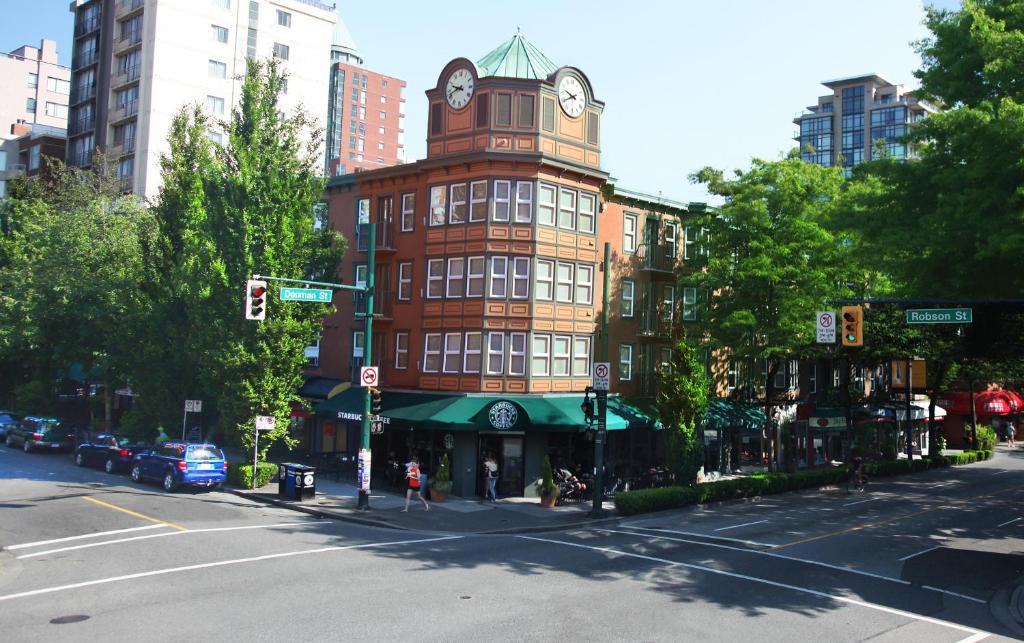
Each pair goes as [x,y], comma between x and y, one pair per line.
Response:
[516,58]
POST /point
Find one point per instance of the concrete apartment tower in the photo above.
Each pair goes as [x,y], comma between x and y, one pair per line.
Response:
[137,62]
[365,114]
[862,113]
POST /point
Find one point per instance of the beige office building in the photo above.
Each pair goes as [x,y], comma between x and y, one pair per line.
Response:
[137,62]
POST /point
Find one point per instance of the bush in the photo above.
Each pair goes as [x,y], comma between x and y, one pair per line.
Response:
[240,475]
[986,438]
[442,481]
[547,487]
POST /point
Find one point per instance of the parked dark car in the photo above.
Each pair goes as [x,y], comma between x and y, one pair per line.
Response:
[7,420]
[177,464]
[46,434]
[110,451]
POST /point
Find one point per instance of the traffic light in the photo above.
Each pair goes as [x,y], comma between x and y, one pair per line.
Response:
[588,407]
[853,325]
[375,400]
[255,299]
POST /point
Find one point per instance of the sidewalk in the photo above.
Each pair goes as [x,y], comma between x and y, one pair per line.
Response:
[337,500]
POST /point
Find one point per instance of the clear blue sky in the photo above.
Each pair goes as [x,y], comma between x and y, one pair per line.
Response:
[685,83]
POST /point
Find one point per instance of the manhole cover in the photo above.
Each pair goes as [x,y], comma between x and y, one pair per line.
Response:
[72,618]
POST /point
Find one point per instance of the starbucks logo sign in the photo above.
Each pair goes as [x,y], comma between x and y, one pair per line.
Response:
[503,415]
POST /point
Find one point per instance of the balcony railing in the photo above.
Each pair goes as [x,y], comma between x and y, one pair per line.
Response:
[129,39]
[81,125]
[383,304]
[660,258]
[127,182]
[86,58]
[82,159]
[125,7]
[125,110]
[90,24]
[81,93]
[654,323]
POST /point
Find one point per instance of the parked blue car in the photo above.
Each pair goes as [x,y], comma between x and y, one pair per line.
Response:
[177,464]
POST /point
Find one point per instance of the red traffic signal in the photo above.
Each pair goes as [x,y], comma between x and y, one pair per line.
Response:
[255,299]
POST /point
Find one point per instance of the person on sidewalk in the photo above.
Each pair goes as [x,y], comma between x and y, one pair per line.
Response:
[491,478]
[1010,434]
[161,435]
[412,477]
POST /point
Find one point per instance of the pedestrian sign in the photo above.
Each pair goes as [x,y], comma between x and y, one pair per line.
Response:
[368,376]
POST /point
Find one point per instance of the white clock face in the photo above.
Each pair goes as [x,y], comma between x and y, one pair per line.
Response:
[459,88]
[570,96]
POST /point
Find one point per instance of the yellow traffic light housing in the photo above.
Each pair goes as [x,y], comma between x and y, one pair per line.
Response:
[853,325]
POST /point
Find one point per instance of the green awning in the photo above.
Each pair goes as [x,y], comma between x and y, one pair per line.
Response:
[728,414]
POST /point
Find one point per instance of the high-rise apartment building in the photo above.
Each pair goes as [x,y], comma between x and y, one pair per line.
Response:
[862,117]
[365,114]
[35,89]
[137,62]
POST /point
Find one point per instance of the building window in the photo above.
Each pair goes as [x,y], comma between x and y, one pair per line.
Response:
[581,356]
[546,204]
[689,304]
[217,69]
[437,205]
[402,350]
[457,214]
[668,302]
[281,51]
[502,199]
[732,377]
[526,111]
[670,240]
[665,366]
[33,157]
[435,278]
[405,281]
[250,43]
[541,355]
[471,358]
[628,289]
[503,110]
[30,105]
[361,275]
[452,348]
[499,278]
[223,4]
[215,104]
[478,201]
[59,86]
[456,277]
[358,344]
[56,110]
[383,116]
[432,353]
[220,34]
[517,354]
[408,212]
[475,277]
[812,379]
[33,79]
[563,287]
[585,219]
[520,278]
[495,353]
[482,101]
[545,279]
[585,285]
[625,362]
[566,209]
[629,234]
[284,18]
[524,202]
[560,356]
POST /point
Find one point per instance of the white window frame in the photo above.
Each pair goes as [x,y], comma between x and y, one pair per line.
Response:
[547,211]
[670,238]
[476,203]
[468,352]
[689,242]
[586,214]
[570,211]
[665,364]
[626,365]
[401,354]
[668,303]
[570,282]
[543,354]
[436,352]
[218,31]
[524,202]
[499,276]
[475,267]
[732,375]
[517,355]
[631,299]
[284,19]
[405,279]
[629,234]
[495,352]
[521,277]
[561,362]
[222,69]
[451,353]
[452,276]
[581,357]
[502,205]
[361,275]
[358,344]
[438,205]
[464,203]
[689,304]
[585,286]
[215,104]
[547,283]
[409,211]
[435,277]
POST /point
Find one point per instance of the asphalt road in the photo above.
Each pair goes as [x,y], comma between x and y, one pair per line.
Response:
[91,556]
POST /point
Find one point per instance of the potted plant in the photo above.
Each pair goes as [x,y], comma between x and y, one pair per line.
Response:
[547,488]
[441,483]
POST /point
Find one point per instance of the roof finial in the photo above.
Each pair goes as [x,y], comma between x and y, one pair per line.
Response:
[517,30]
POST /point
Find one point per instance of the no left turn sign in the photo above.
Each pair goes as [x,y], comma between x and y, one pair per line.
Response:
[368,375]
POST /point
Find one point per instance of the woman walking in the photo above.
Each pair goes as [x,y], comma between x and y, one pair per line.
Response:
[412,477]
[491,478]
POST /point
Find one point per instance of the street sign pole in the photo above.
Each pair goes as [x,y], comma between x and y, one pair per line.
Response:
[364,446]
[597,511]
[910,421]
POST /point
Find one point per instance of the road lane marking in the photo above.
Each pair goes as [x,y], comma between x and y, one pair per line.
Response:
[999,473]
[694,533]
[770,555]
[946,591]
[920,552]
[92,535]
[746,524]
[765,581]
[220,563]
[1007,522]
[165,534]
[133,513]
[859,502]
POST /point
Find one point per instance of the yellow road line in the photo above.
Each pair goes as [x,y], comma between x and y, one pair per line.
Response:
[133,513]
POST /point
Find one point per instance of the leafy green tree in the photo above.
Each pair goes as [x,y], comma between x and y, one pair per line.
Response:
[682,401]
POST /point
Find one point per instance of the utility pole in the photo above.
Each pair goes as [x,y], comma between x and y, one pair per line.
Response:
[602,396]
[910,421]
[364,445]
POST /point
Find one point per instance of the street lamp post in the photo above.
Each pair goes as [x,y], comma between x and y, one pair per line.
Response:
[602,395]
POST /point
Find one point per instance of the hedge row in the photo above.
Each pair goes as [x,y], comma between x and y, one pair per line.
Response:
[240,475]
[644,500]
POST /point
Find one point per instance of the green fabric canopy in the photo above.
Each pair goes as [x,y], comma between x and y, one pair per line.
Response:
[728,414]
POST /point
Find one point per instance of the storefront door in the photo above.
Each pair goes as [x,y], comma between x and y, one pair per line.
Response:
[507,450]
